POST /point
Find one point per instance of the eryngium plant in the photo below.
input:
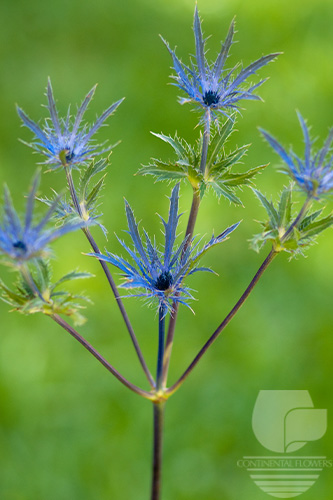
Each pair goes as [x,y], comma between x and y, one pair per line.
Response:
[158,274]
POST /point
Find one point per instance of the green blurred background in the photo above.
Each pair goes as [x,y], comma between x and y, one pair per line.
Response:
[70,431]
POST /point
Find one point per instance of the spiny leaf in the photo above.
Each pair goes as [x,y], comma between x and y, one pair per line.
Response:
[73,275]
[93,195]
[15,298]
[164,170]
[222,190]
[284,208]
[237,179]
[88,173]
[175,143]
[228,160]
[308,219]
[218,140]
[269,207]
[317,227]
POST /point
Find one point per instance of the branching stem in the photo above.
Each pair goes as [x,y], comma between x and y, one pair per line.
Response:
[100,358]
[189,234]
[239,303]
[110,280]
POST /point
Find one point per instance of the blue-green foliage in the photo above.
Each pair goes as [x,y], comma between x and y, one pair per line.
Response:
[280,219]
[218,175]
[52,299]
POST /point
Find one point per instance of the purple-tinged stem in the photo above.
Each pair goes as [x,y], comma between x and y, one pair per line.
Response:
[110,281]
[100,358]
[298,218]
[161,341]
[28,278]
[224,323]
[157,450]
[240,302]
[189,234]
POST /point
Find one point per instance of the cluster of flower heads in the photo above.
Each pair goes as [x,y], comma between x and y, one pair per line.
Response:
[63,141]
[68,142]
[212,86]
[24,241]
[314,174]
[161,274]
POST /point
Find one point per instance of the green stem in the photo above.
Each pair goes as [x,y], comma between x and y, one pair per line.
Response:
[157,451]
[110,280]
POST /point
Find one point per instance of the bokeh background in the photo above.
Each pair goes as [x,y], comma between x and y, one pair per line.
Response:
[70,431]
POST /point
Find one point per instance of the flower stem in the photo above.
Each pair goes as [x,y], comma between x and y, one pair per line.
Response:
[224,323]
[122,309]
[157,450]
[298,219]
[100,358]
[30,282]
[189,234]
[110,281]
[161,339]
[205,142]
[240,302]
[72,190]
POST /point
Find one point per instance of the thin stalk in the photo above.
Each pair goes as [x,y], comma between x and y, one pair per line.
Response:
[224,323]
[110,281]
[161,340]
[157,451]
[30,282]
[72,190]
[27,276]
[240,302]
[189,234]
[298,218]
[100,358]
[205,142]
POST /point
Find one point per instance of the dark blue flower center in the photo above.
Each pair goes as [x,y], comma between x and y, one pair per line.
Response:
[164,281]
[211,97]
[20,245]
[69,155]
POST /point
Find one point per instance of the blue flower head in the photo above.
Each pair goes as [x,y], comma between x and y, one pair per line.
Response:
[66,141]
[211,86]
[314,174]
[161,274]
[24,241]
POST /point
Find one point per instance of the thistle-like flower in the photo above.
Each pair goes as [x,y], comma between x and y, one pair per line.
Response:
[314,174]
[65,142]
[22,242]
[161,273]
[205,83]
